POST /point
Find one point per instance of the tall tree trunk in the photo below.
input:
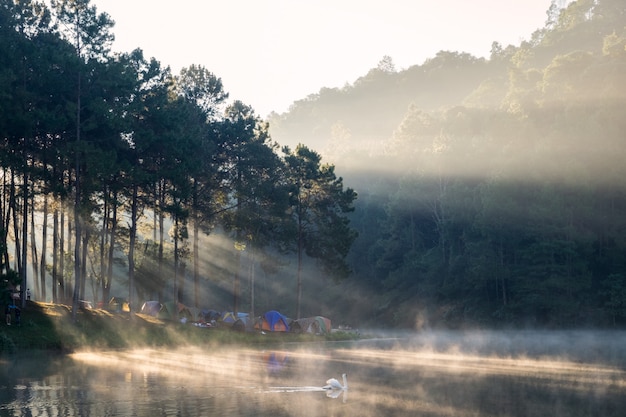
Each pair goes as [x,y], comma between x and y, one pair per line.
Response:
[236,284]
[55,253]
[176,298]
[83,263]
[182,271]
[155,210]
[4,226]
[131,249]
[103,240]
[16,229]
[77,257]
[62,297]
[161,198]
[106,289]
[251,274]
[196,248]
[77,200]
[34,257]
[299,277]
[196,262]
[44,247]
[70,244]
[24,238]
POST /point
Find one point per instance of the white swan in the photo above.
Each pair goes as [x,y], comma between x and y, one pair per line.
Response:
[333,384]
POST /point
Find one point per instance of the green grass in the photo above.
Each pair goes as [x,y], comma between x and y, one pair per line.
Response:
[51,327]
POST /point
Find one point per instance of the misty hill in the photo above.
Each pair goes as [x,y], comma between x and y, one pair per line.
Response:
[490,190]
[373,106]
[367,112]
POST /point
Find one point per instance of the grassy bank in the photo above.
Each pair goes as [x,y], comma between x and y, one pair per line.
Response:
[51,327]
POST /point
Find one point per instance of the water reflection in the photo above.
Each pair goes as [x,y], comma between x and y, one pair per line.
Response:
[431,374]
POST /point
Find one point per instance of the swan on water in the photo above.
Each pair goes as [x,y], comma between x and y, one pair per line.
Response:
[333,384]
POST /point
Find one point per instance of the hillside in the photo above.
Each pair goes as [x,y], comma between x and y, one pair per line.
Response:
[491,191]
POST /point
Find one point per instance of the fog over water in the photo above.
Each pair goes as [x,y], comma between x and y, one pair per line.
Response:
[429,373]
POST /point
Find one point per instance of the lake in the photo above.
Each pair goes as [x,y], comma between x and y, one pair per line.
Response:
[434,373]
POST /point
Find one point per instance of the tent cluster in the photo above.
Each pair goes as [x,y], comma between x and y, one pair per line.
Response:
[271,321]
[178,311]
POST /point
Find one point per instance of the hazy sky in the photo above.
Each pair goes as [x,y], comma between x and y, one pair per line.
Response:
[270,53]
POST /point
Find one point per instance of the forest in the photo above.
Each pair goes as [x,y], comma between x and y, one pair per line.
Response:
[490,190]
[115,171]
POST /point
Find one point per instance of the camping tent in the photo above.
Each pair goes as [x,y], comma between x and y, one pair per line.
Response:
[240,321]
[196,313]
[118,304]
[244,323]
[151,308]
[273,321]
[315,325]
[169,311]
[210,315]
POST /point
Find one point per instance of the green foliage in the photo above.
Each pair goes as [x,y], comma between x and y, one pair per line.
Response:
[491,197]
[320,206]
[124,138]
[490,191]
[8,281]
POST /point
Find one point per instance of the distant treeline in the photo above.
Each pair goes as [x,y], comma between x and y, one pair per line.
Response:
[491,191]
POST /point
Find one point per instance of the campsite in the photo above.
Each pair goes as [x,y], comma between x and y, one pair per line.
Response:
[271,321]
[48,326]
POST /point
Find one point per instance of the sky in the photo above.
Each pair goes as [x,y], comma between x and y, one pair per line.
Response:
[270,53]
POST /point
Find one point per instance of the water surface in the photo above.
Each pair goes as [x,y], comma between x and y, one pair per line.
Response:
[425,374]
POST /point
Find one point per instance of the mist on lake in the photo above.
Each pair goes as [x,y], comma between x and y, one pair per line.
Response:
[429,373]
